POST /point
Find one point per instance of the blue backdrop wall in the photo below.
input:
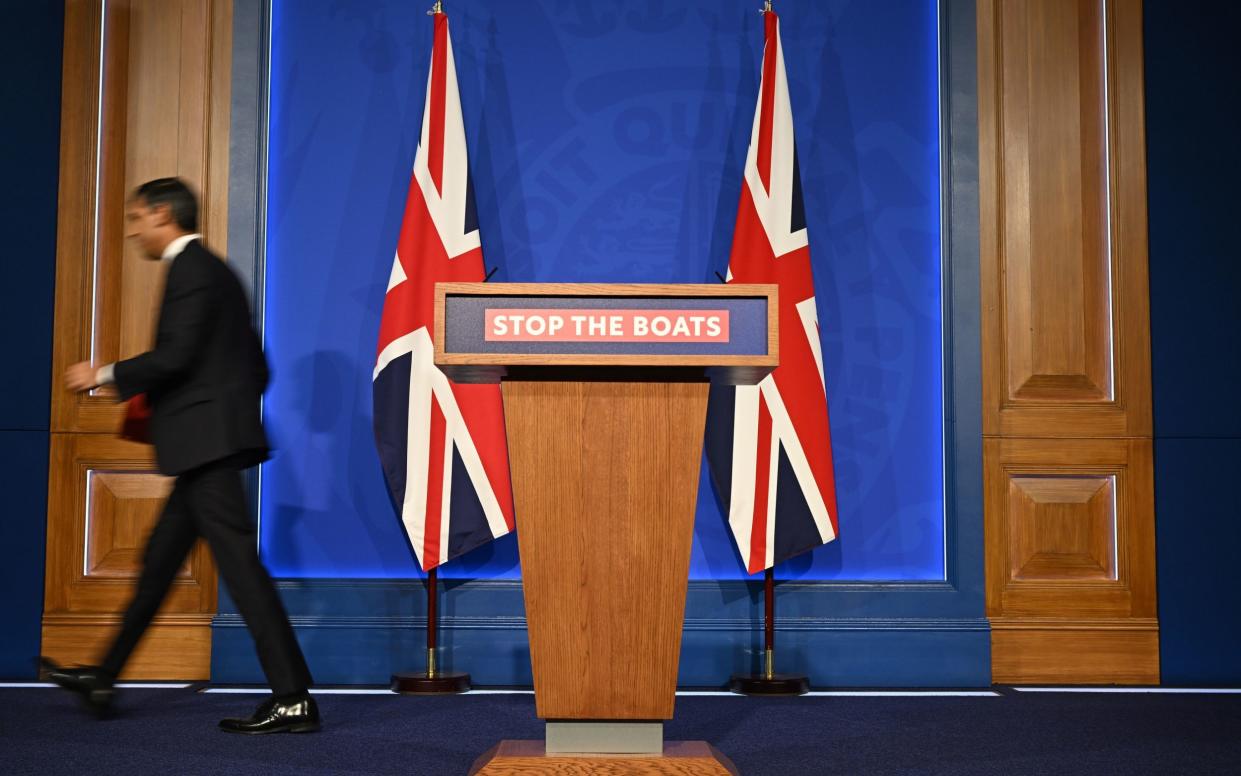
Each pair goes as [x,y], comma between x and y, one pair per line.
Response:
[607,144]
[30,44]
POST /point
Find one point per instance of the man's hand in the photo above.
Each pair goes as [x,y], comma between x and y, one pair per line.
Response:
[80,377]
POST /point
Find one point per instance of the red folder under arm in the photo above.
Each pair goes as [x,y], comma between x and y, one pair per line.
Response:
[137,424]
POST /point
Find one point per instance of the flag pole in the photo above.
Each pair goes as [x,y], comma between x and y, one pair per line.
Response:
[432,620]
[769,616]
[767,681]
[433,681]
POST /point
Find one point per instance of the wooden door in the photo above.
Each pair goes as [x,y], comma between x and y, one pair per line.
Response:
[1070,555]
[145,95]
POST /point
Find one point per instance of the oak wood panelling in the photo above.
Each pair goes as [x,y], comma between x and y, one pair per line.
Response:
[603,473]
[1057,293]
[1070,557]
[1060,504]
[1068,500]
[145,95]
[121,509]
[1064,282]
[174,647]
[161,109]
[1070,560]
[1062,527]
[106,498]
[1089,652]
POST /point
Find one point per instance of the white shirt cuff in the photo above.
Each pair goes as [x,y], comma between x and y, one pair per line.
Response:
[104,374]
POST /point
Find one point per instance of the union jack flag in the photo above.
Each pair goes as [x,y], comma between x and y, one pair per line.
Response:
[442,445]
[769,446]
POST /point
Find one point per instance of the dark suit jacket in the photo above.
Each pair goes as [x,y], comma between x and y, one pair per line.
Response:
[206,374]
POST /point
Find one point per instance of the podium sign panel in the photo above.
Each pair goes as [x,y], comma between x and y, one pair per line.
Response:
[605,395]
[484,331]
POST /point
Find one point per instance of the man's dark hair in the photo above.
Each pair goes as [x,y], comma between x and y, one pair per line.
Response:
[176,195]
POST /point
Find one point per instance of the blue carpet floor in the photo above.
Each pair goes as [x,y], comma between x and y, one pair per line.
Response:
[43,731]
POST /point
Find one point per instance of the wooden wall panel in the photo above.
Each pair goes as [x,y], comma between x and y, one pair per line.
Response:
[1062,526]
[1056,292]
[145,95]
[1092,652]
[121,509]
[1068,527]
[1066,357]
[105,500]
[1064,281]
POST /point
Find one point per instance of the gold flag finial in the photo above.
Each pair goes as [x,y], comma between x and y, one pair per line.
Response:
[439,8]
[766,6]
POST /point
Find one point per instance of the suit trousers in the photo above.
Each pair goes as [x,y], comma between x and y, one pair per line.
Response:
[208,502]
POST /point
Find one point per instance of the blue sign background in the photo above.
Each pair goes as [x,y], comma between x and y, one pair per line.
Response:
[607,142]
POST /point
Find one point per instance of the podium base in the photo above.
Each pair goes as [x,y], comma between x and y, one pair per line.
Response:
[776,684]
[421,684]
[680,758]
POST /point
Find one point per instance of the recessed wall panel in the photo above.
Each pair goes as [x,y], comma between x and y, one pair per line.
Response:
[1055,167]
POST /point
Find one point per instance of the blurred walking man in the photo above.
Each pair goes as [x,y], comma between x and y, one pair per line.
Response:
[203,382]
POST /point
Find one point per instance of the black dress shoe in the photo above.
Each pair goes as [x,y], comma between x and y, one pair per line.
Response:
[275,716]
[91,683]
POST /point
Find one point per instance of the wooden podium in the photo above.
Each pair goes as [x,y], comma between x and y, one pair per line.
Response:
[605,397]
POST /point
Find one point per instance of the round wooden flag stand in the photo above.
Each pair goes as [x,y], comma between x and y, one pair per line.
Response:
[769,682]
[432,681]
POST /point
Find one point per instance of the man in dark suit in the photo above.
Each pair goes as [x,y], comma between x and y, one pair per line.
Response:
[203,382]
